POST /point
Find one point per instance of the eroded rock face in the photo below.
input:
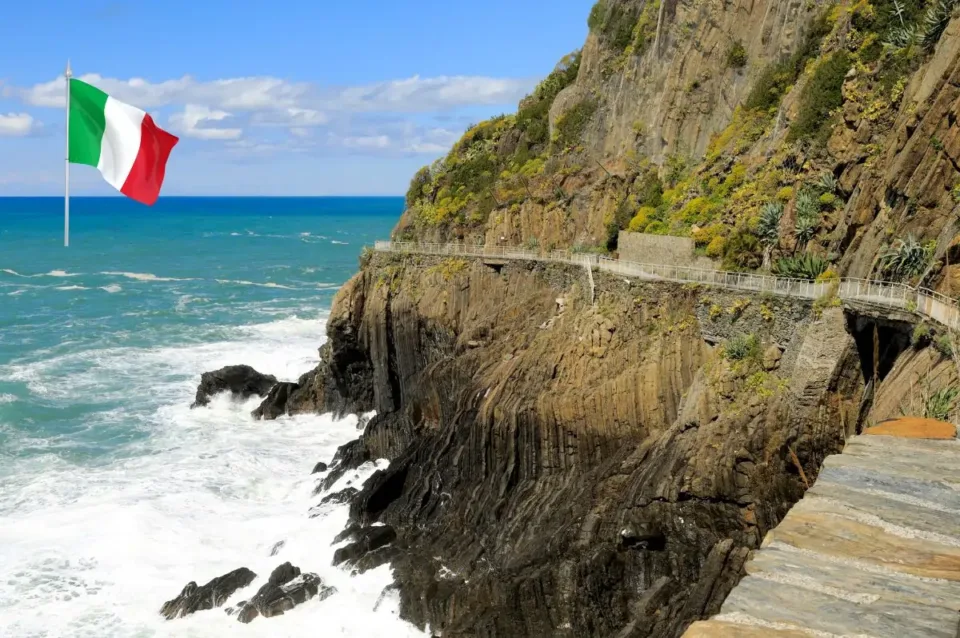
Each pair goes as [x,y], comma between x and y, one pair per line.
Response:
[285,589]
[241,380]
[213,594]
[584,472]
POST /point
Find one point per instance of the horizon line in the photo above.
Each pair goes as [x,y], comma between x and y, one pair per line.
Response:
[120,197]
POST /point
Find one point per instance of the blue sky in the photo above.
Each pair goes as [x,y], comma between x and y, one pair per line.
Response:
[304,97]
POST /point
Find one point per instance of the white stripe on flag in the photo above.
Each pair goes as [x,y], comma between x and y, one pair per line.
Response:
[121,141]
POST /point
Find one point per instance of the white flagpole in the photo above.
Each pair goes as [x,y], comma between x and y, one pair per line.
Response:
[66,168]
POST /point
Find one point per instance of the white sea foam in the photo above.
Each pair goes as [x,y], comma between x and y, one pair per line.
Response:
[111,288]
[342,243]
[16,292]
[240,282]
[13,272]
[71,288]
[142,276]
[7,398]
[62,273]
[93,550]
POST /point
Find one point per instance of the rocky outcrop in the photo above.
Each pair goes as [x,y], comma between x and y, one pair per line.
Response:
[574,468]
[285,589]
[213,594]
[241,381]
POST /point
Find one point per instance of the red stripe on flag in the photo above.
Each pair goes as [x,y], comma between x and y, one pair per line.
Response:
[146,177]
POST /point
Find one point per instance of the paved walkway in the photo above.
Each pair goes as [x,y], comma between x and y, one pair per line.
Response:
[927,303]
[872,550]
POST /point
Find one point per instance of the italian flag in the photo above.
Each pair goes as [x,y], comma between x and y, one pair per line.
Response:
[123,142]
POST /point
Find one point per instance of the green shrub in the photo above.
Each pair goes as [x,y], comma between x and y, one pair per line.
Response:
[777,78]
[569,127]
[421,180]
[805,266]
[657,228]
[921,335]
[940,405]
[936,20]
[905,259]
[742,347]
[943,345]
[821,95]
[737,56]
[533,113]
[613,23]
[742,250]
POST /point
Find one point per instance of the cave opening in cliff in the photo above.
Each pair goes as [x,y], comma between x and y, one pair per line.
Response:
[879,342]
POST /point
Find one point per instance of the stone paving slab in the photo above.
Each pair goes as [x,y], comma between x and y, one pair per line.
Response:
[871,551]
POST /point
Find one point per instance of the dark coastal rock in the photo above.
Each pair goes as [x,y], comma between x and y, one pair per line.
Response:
[275,403]
[319,467]
[242,381]
[348,532]
[285,589]
[343,496]
[213,594]
[277,547]
[368,539]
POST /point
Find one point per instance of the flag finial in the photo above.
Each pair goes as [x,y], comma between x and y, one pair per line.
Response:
[69,73]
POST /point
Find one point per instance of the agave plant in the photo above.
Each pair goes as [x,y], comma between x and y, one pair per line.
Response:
[902,37]
[805,266]
[828,182]
[936,20]
[768,227]
[907,258]
[808,216]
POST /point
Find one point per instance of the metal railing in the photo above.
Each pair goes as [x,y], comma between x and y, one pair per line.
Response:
[928,303]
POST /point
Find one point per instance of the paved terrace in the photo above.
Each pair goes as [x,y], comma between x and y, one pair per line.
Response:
[873,548]
[883,294]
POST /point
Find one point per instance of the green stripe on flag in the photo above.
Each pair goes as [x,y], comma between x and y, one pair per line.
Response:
[87,122]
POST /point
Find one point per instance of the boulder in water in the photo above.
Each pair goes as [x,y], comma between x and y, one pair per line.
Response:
[285,589]
[213,594]
[275,404]
[242,381]
[319,467]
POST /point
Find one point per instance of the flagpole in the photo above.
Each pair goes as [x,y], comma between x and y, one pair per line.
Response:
[66,167]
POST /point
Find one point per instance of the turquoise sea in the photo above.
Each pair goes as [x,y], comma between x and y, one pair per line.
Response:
[113,493]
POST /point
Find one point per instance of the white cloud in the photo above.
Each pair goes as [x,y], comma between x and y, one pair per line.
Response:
[17,124]
[366,142]
[188,123]
[235,93]
[418,94]
[295,99]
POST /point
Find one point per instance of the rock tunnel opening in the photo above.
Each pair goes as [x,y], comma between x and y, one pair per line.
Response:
[879,342]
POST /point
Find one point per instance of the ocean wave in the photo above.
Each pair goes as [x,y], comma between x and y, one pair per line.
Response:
[52,273]
[16,292]
[7,398]
[143,276]
[112,288]
[71,288]
[342,243]
[240,282]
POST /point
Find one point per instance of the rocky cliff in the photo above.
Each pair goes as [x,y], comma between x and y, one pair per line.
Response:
[567,467]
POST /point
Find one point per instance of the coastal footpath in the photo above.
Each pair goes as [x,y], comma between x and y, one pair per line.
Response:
[578,448]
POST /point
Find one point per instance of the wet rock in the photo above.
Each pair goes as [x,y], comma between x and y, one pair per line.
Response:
[343,496]
[242,381]
[367,540]
[213,594]
[285,589]
[363,421]
[277,547]
[319,467]
[275,404]
[348,532]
